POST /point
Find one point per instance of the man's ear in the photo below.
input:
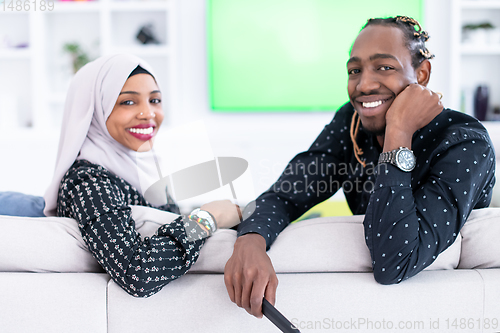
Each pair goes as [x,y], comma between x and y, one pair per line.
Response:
[424,73]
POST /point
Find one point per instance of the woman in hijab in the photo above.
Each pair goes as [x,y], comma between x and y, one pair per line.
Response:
[112,114]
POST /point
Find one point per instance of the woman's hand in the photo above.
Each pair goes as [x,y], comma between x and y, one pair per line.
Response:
[226,213]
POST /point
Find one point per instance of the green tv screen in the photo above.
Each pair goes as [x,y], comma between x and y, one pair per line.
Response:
[287,55]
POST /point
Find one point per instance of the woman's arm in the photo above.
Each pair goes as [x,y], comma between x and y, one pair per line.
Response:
[140,266]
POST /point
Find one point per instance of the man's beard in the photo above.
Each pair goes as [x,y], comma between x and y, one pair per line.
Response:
[374,131]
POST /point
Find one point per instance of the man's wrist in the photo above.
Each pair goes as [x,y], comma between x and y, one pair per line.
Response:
[252,238]
[394,139]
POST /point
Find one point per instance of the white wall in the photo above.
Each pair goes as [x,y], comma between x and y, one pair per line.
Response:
[437,23]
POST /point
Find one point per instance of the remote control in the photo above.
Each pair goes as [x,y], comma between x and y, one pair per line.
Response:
[277,318]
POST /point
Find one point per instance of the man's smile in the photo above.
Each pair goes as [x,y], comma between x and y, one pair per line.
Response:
[372,105]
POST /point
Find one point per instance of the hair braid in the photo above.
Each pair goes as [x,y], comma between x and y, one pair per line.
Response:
[414,36]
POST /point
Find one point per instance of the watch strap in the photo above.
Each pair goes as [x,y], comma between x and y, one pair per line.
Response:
[391,156]
[205,219]
[387,157]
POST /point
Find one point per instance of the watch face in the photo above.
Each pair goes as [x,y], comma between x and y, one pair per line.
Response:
[405,160]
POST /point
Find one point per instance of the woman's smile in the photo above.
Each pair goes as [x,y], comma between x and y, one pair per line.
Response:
[143,132]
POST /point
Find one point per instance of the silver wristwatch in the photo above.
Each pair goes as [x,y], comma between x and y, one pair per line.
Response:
[402,157]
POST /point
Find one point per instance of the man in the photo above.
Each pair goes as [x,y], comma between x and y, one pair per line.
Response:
[415,201]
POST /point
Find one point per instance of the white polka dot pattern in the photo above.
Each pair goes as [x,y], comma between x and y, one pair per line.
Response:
[410,217]
[100,201]
[426,209]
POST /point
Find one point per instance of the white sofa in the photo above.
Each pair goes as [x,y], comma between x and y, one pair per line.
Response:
[49,282]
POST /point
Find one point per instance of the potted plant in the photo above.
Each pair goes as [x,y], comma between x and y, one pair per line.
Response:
[477,33]
[78,56]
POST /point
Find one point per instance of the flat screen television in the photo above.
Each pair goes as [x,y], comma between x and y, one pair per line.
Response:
[287,55]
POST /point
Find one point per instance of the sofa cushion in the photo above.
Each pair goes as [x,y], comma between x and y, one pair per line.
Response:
[343,247]
[481,239]
[328,244]
[491,292]
[53,302]
[315,302]
[193,303]
[215,253]
[20,204]
[55,244]
[43,244]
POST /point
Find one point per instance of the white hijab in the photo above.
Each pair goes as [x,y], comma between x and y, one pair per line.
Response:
[91,97]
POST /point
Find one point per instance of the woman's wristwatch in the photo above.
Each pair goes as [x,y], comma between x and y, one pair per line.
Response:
[204,219]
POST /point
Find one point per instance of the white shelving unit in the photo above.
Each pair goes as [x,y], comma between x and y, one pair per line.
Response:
[474,63]
[42,70]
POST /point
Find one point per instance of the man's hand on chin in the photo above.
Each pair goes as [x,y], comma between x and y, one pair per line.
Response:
[412,109]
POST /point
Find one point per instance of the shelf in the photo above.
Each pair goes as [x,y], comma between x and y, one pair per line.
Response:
[133,6]
[99,27]
[15,54]
[117,6]
[144,50]
[480,4]
[471,49]
[474,58]
[76,6]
